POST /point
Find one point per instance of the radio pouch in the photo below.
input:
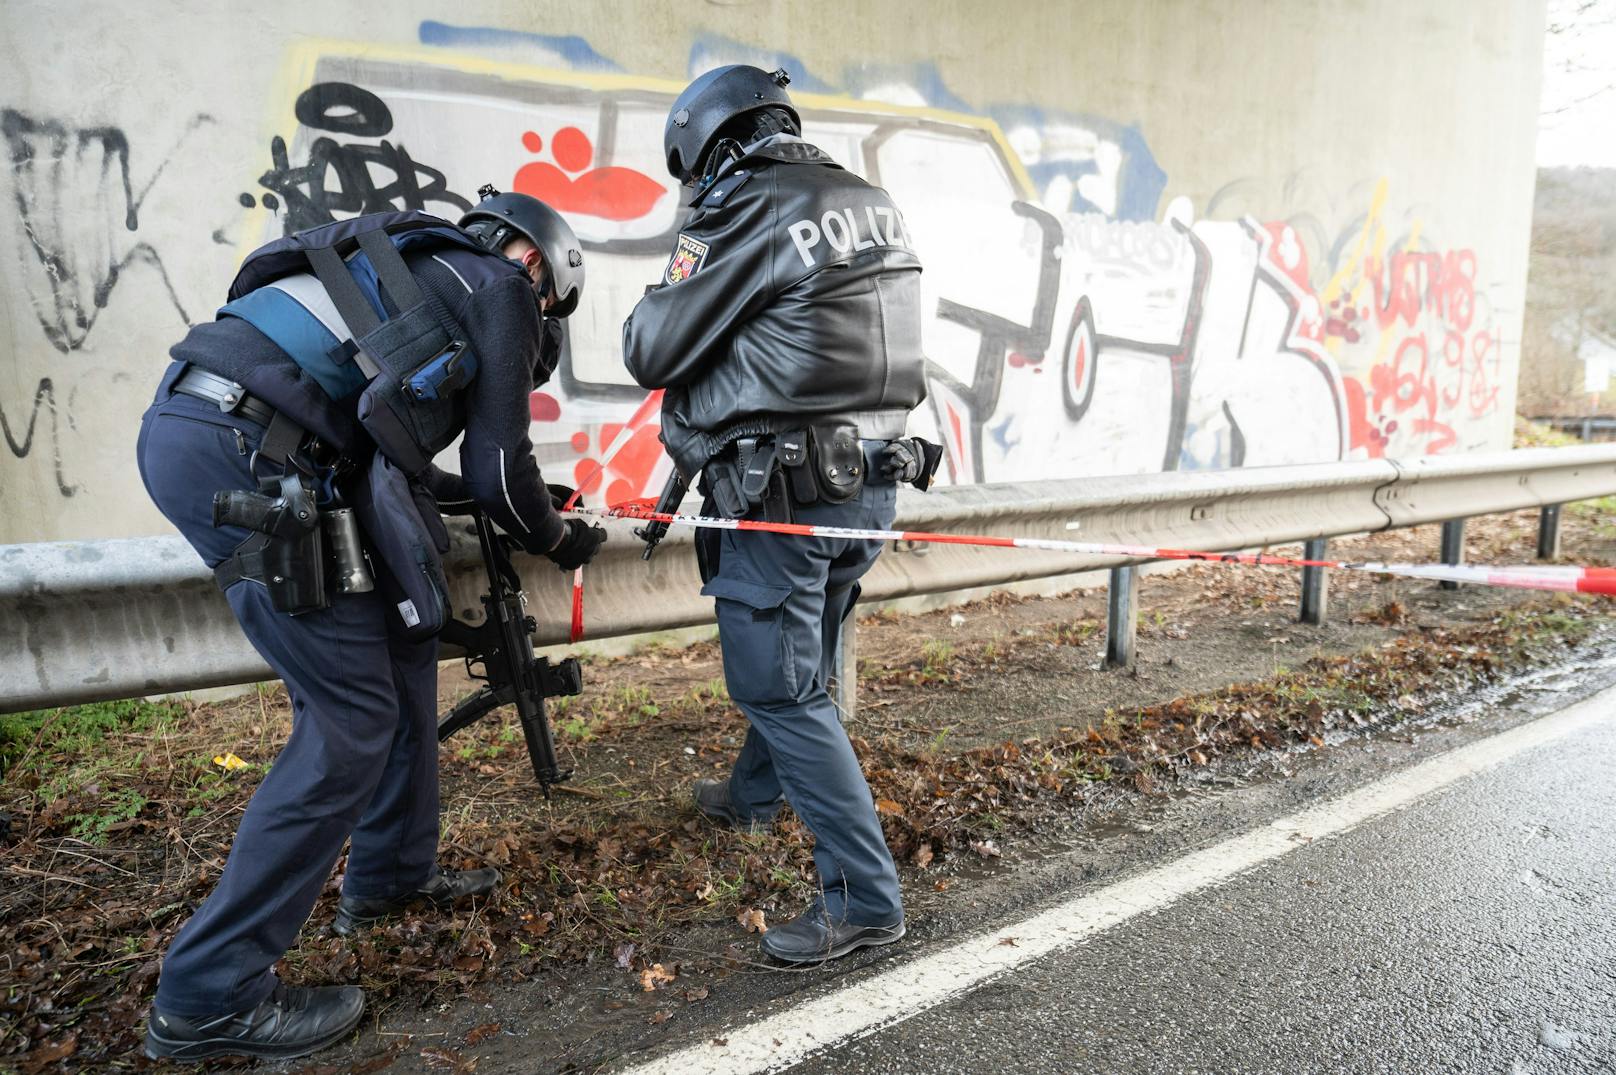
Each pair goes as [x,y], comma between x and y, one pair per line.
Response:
[411,406]
[794,457]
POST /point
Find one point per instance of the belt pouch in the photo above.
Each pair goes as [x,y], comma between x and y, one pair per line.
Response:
[794,462]
[408,537]
[838,461]
[723,484]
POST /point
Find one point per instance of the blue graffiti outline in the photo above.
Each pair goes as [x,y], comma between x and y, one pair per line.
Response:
[708,51]
[922,76]
[1140,182]
[572,49]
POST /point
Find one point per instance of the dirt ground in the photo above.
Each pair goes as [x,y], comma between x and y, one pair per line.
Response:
[982,728]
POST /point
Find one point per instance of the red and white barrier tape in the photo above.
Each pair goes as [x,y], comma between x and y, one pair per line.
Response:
[1597,580]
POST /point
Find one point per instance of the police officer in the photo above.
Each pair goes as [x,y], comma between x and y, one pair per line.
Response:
[786,331]
[361,761]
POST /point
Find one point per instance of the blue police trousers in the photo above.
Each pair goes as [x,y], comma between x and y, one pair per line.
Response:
[782,600]
[362,758]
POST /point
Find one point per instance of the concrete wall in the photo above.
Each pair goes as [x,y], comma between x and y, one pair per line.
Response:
[1167,235]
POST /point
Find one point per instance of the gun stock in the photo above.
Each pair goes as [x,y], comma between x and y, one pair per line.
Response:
[503,645]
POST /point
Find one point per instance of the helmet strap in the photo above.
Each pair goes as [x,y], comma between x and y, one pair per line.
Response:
[725,150]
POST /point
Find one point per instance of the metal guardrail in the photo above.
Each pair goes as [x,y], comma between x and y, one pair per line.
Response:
[84,621]
[1585,426]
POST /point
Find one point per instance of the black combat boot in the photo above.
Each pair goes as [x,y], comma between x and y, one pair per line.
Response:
[292,1022]
[812,937]
[445,888]
[712,801]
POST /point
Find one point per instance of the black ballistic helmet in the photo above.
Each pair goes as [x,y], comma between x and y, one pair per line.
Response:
[498,218]
[709,103]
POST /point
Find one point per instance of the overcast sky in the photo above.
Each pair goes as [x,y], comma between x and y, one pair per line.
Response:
[1578,124]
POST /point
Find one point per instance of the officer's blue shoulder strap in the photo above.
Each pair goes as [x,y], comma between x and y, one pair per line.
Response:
[372,244]
[291,254]
[364,272]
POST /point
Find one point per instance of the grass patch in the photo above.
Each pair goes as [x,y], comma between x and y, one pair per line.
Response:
[50,741]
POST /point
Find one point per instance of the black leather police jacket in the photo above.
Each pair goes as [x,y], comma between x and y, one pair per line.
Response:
[792,293]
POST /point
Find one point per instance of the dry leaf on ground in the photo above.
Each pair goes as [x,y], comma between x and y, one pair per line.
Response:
[656,975]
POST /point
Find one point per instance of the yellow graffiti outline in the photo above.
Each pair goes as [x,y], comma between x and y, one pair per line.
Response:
[1373,239]
[304,56]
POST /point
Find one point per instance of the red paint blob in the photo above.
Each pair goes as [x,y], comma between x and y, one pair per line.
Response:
[586,476]
[543,407]
[580,442]
[532,141]
[619,491]
[571,149]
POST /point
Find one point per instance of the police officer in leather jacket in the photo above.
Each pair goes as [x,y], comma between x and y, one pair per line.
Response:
[361,761]
[786,332]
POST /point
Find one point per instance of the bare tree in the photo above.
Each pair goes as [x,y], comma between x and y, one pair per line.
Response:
[1578,66]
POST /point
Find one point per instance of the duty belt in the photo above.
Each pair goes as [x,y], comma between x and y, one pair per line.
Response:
[282,436]
[230,396]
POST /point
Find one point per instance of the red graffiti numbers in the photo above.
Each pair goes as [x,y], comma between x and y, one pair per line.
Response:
[1444,367]
[1485,358]
[1442,435]
[1400,384]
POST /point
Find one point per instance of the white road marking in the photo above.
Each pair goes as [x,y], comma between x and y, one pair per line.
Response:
[857,1010]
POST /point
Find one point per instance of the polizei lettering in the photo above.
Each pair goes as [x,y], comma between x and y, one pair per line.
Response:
[848,231]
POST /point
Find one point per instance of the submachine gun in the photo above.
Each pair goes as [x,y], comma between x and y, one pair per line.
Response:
[652,533]
[503,646]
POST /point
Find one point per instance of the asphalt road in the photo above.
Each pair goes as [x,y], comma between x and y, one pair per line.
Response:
[1473,931]
[1470,929]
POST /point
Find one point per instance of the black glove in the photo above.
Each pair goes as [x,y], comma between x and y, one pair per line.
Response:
[911,460]
[901,461]
[578,545]
[560,494]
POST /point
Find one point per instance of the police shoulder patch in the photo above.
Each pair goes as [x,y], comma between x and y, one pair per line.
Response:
[687,259]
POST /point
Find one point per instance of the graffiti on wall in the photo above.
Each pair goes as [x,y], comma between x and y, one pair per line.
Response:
[1236,339]
[1430,355]
[349,177]
[75,202]
[20,436]
[1408,318]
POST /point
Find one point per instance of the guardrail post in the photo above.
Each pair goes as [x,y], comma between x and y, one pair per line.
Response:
[1121,617]
[1548,532]
[844,674]
[1315,586]
[1452,547]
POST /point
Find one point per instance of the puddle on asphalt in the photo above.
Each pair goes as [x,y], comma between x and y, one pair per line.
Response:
[1115,828]
[1538,691]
